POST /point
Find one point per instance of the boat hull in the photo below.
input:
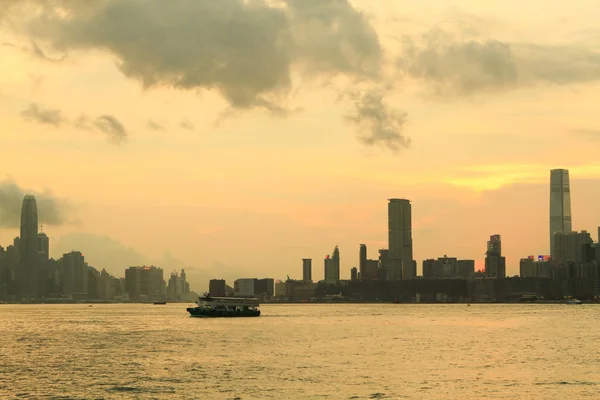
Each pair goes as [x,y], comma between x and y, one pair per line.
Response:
[204,313]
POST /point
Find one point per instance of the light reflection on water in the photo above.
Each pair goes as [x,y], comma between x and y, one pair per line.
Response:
[337,351]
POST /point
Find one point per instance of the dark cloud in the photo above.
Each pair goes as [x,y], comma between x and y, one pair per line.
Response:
[378,124]
[112,127]
[38,52]
[245,50]
[155,126]
[51,209]
[453,66]
[107,124]
[44,116]
[331,36]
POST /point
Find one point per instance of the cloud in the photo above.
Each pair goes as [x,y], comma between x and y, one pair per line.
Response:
[107,124]
[245,50]
[100,251]
[155,126]
[43,116]
[458,67]
[377,123]
[51,209]
[187,125]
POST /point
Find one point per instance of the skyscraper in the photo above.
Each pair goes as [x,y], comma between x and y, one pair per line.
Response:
[28,249]
[332,266]
[362,262]
[495,264]
[400,256]
[307,269]
[560,204]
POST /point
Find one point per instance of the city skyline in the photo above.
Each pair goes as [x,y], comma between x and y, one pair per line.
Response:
[180,173]
[394,267]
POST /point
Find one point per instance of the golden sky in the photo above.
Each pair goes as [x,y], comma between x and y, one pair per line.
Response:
[236,138]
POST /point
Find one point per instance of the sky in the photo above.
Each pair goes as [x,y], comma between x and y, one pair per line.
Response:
[234,138]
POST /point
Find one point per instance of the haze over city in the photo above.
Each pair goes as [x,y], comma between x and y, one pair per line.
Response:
[240,152]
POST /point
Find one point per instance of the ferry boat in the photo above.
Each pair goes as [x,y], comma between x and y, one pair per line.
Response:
[574,301]
[214,307]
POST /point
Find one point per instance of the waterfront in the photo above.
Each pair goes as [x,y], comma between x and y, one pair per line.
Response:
[337,351]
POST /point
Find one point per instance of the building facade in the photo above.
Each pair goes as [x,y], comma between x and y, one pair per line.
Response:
[560,204]
[28,275]
[307,269]
[400,245]
[332,266]
[571,247]
[495,263]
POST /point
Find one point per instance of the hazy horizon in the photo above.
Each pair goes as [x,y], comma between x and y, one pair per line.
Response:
[235,138]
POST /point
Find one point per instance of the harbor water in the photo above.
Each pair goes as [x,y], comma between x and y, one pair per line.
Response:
[320,351]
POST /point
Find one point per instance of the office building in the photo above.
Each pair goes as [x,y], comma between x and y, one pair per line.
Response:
[217,288]
[495,263]
[532,267]
[28,249]
[362,262]
[244,287]
[332,266]
[400,256]
[75,275]
[560,204]
[466,269]
[571,247]
[144,283]
[448,268]
[307,269]
[353,274]
[264,288]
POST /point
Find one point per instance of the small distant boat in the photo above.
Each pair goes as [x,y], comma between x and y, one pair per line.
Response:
[215,307]
[156,303]
[574,301]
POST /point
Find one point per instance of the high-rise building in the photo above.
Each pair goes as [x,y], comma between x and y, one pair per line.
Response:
[401,265]
[28,249]
[75,275]
[495,264]
[560,204]
[307,269]
[353,274]
[185,286]
[332,266]
[144,282]
[598,248]
[570,246]
[217,288]
[362,262]
[43,245]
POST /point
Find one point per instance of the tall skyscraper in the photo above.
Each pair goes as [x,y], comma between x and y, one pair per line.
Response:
[560,204]
[332,266]
[307,269]
[362,262]
[495,264]
[400,256]
[28,249]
